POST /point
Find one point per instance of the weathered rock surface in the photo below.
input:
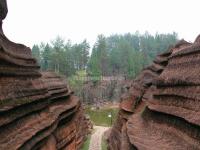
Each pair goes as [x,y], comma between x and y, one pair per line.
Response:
[37,110]
[131,102]
[3,9]
[161,109]
[107,89]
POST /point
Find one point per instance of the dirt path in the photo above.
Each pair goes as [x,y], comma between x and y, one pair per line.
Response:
[95,143]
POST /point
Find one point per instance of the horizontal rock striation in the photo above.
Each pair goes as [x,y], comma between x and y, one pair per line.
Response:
[133,101]
[167,114]
[158,131]
[37,110]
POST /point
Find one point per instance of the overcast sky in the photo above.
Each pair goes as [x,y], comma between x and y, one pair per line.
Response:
[33,21]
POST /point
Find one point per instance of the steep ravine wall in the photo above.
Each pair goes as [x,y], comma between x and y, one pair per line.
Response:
[131,102]
[160,111]
[37,110]
[102,91]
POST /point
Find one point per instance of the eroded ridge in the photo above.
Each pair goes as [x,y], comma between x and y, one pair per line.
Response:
[37,110]
[161,108]
[133,101]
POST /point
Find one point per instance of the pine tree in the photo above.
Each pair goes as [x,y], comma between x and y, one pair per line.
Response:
[36,53]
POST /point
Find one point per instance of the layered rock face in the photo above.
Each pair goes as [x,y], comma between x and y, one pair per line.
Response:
[161,109]
[131,102]
[37,110]
[171,119]
[103,91]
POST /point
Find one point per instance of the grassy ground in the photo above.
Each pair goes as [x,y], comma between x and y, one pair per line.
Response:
[100,117]
[86,143]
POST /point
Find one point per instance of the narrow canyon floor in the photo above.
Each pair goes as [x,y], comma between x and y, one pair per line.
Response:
[96,138]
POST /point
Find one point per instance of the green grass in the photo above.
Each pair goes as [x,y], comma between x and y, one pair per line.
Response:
[86,143]
[104,144]
[100,117]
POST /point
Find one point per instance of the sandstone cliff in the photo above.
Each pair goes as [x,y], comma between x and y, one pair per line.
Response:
[37,110]
[161,109]
[102,91]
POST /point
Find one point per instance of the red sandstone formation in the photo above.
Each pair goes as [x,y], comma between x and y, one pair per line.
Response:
[161,109]
[132,103]
[37,110]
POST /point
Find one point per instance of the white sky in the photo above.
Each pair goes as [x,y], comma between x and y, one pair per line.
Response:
[33,21]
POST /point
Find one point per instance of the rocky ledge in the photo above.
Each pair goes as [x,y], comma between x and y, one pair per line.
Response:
[37,110]
[161,109]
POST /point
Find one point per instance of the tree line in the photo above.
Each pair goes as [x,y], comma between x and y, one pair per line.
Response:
[62,57]
[114,55]
[127,54]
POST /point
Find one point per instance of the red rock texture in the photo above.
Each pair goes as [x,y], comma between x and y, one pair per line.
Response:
[166,115]
[37,110]
[131,102]
[156,131]
[50,144]
[177,88]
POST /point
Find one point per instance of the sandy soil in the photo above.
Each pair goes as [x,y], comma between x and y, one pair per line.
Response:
[95,143]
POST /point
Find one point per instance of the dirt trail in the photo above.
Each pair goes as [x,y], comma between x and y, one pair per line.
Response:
[95,143]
